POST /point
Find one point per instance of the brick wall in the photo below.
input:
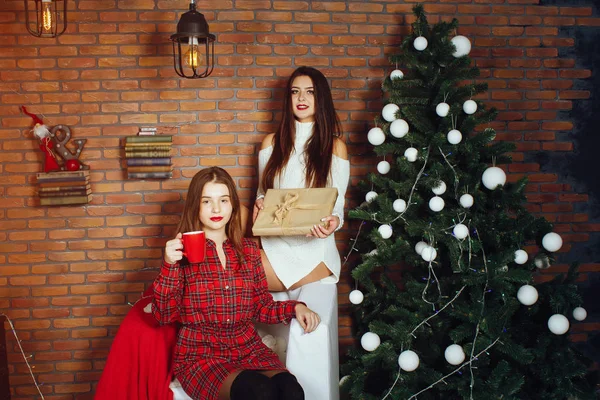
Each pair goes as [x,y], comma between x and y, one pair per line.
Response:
[68,274]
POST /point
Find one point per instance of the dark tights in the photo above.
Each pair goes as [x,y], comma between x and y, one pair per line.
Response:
[252,385]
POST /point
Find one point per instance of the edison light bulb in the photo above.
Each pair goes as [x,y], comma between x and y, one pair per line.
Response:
[47,15]
[192,56]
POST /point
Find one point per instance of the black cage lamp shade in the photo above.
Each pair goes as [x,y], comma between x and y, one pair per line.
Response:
[50,17]
[193,46]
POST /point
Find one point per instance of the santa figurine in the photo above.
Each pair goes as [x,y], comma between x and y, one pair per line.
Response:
[42,132]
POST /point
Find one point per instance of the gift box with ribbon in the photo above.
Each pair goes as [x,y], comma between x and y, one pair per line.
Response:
[290,212]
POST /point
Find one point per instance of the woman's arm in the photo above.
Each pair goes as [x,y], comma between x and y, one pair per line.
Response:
[168,285]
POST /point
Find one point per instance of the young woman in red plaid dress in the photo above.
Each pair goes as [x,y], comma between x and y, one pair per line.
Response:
[219,354]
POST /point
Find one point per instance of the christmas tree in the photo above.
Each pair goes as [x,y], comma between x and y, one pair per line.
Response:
[463,319]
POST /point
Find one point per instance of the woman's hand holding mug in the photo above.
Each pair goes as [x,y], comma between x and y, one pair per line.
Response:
[173,250]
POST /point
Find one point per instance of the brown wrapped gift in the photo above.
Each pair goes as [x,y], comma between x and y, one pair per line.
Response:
[290,212]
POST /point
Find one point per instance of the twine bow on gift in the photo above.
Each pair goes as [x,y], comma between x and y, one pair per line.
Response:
[283,208]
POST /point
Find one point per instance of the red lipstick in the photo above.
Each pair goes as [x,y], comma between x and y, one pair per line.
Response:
[216,219]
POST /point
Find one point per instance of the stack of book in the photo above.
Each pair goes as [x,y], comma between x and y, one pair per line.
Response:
[148,155]
[64,187]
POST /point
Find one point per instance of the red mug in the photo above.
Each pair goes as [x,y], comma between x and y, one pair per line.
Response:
[194,246]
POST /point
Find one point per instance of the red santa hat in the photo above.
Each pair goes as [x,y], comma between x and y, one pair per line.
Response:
[39,129]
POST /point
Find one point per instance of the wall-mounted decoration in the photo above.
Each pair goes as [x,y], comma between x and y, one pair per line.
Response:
[53,145]
[50,17]
[148,155]
[63,188]
[193,46]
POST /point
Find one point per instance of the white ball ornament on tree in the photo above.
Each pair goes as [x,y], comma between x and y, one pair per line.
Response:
[399,205]
[454,354]
[420,246]
[579,313]
[408,360]
[440,188]
[466,200]
[399,128]
[370,341]
[527,295]
[420,43]
[428,254]
[356,296]
[396,74]
[558,324]
[521,257]
[389,112]
[470,107]
[385,231]
[436,204]
[454,136]
[541,261]
[552,241]
[462,44]
[376,136]
[460,231]
[383,167]
[370,196]
[493,177]
[411,154]
[442,109]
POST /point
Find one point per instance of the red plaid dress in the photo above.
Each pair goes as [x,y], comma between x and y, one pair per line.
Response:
[216,307]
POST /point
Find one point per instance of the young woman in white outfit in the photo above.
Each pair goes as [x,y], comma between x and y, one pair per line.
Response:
[305,152]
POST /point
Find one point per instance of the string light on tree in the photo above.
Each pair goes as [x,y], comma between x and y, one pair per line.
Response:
[579,313]
[370,341]
[541,261]
[436,204]
[442,109]
[420,43]
[356,296]
[411,154]
[389,112]
[462,44]
[408,360]
[466,200]
[383,167]
[470,107]
[396,74]
[521,257]
[399,205]
[376,136]
[460,231]
[493,177]
[385,231]
[420,246]
[527,295]
[370,196]
[552,241]
[399,128]
[454,136]
[454,354]
[440,188]
[558,324]
[428,253]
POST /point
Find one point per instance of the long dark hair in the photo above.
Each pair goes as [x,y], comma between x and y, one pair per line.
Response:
[319,149]
[190,218]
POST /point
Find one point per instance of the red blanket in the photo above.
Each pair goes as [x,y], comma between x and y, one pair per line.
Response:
[139,363]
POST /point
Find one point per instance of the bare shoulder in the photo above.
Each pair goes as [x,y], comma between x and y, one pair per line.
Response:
[339,148]
[267,141]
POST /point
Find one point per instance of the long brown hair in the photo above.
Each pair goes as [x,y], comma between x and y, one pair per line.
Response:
[319,149]
[190,218]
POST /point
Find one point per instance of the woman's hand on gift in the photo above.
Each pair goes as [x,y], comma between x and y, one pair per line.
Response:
[320,231]
[308,319]
[173,250]
[258,205]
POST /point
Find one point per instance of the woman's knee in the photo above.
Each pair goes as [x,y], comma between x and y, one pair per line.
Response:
[288,387]
[252,385]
